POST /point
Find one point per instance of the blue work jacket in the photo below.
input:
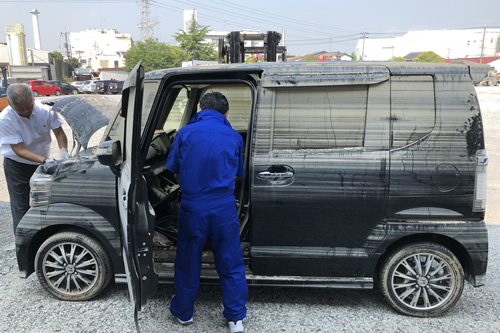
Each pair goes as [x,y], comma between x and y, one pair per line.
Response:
[207,154]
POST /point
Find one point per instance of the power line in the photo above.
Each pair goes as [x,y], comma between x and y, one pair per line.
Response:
[214,10]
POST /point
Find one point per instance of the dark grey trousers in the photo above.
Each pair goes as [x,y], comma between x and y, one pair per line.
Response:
[18,183]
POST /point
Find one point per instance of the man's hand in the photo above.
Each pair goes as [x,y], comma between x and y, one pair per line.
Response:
[63,154]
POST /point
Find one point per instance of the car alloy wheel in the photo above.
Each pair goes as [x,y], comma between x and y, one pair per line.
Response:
[422,280]
[73,266]
[58,93]
[35,93]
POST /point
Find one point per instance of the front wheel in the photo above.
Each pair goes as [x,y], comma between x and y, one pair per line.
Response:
[73,266]
[422,279]
[58,93]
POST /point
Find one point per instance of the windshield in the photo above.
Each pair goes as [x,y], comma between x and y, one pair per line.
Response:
[115,129]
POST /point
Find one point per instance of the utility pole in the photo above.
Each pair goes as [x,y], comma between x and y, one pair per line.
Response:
[482,45]
[67,45]
[363,51]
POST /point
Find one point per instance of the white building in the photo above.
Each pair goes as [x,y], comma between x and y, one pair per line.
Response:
[100,48]
[449,44]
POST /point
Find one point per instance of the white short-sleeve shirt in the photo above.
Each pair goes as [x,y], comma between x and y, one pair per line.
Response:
[34,131]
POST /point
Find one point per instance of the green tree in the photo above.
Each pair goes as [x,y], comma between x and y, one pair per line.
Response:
[402,59]
[57,55]
[58,62]
[74,63]
[428,56]
[309,58]
[156,55]
[354,56]
[192,42]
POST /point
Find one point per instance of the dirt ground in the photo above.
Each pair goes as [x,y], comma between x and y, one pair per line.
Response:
[489,100]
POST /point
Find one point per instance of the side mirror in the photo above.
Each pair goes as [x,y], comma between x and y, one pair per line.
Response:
[110,153]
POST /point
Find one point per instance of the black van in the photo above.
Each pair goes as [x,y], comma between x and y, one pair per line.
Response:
[357,174]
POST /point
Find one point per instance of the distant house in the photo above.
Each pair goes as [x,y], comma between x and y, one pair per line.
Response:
[335,56]
[327,56]
[100,48]
[494,62]
[412,55]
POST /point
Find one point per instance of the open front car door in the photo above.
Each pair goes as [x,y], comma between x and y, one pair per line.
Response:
[137,219]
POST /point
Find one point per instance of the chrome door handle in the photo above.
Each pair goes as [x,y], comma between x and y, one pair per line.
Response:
[275,175]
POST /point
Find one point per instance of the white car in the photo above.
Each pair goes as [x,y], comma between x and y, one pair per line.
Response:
[88,87]
[78,85]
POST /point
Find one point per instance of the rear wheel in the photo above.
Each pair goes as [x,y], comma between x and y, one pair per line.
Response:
[58,93]
[35,93]
[74,92]
[422,279]
[73,266]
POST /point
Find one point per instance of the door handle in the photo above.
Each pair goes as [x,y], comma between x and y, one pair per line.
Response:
[274,175]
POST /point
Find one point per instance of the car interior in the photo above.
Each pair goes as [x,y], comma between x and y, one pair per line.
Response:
[165,194]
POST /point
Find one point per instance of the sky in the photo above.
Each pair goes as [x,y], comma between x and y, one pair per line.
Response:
[322,25]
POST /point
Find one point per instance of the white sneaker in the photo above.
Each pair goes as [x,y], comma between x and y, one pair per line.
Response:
[236,326]
[185,322]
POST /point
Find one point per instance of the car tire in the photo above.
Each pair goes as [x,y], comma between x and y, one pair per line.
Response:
[58,93]
[73,266]
[35,93]
[74,92]
[422,279]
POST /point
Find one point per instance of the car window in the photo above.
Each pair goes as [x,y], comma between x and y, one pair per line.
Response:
[115,129]
[177,111]
[37,83]
[412,109]
[328,117]
[239,97]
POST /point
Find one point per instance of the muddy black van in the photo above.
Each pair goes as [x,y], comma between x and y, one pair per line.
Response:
[357,174]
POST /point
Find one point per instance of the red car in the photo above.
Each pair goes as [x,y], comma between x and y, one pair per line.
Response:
[40,87]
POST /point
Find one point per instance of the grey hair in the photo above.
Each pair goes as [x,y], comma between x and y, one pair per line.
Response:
[19,93]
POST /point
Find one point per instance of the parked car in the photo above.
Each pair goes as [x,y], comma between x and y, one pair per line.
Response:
[66,88]
[88,86]
[357,174]
[102,87]
[115,87]
[78,85]
[40,87]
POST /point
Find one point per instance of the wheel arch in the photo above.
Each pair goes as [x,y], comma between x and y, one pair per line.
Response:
[451,244]
[100,229]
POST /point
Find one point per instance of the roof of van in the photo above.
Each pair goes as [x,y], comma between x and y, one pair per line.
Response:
[477,71]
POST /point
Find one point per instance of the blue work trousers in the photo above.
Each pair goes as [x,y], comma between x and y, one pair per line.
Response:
[215,220]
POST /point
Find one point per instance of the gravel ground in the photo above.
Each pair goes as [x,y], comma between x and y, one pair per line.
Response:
[26,307]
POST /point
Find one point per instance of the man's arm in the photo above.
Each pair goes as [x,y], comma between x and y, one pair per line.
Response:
[62,139]
[22,152]
[62,142]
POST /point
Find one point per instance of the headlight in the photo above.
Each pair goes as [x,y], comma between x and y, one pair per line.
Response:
[40,193]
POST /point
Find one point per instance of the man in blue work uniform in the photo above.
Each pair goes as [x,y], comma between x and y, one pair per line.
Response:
[206,156]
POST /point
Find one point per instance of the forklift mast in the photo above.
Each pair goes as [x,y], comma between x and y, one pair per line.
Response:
[232,48]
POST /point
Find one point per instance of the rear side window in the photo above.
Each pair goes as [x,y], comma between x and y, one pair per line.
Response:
[328,117]
[239,97]
[37,83]
[413,111]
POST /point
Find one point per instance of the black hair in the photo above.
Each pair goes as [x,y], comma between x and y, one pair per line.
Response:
[214,101]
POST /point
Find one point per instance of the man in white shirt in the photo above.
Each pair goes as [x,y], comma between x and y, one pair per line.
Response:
[25,143]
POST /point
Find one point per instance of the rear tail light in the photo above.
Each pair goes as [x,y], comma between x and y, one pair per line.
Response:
[480,181]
